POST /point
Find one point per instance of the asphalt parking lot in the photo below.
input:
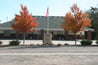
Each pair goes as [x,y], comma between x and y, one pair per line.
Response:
[69,55]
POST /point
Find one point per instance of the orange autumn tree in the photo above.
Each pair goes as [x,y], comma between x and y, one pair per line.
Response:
[24,22]
[75,21]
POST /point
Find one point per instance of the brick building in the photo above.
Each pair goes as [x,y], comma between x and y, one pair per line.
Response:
[6,32]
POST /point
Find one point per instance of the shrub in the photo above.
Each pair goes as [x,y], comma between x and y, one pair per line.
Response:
[86,42]
[59,45]
[97,42]
[66,44]
[0,42]
[47,44]
[14,43]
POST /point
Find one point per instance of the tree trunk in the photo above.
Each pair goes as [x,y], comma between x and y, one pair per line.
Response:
[23,38]
[17,35]
[75,39]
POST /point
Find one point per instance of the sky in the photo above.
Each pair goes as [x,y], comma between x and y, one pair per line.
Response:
[8,8]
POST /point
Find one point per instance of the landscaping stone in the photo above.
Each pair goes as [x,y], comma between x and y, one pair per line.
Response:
[47,39]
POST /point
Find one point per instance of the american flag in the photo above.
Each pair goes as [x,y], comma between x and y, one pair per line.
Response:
[47,13]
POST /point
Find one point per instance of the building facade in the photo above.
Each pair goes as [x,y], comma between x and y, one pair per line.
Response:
[6,31]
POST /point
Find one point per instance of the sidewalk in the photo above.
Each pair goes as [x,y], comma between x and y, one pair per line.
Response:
[55,42]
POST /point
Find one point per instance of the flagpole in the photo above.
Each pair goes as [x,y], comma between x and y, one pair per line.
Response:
[48,25]
[47,37]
